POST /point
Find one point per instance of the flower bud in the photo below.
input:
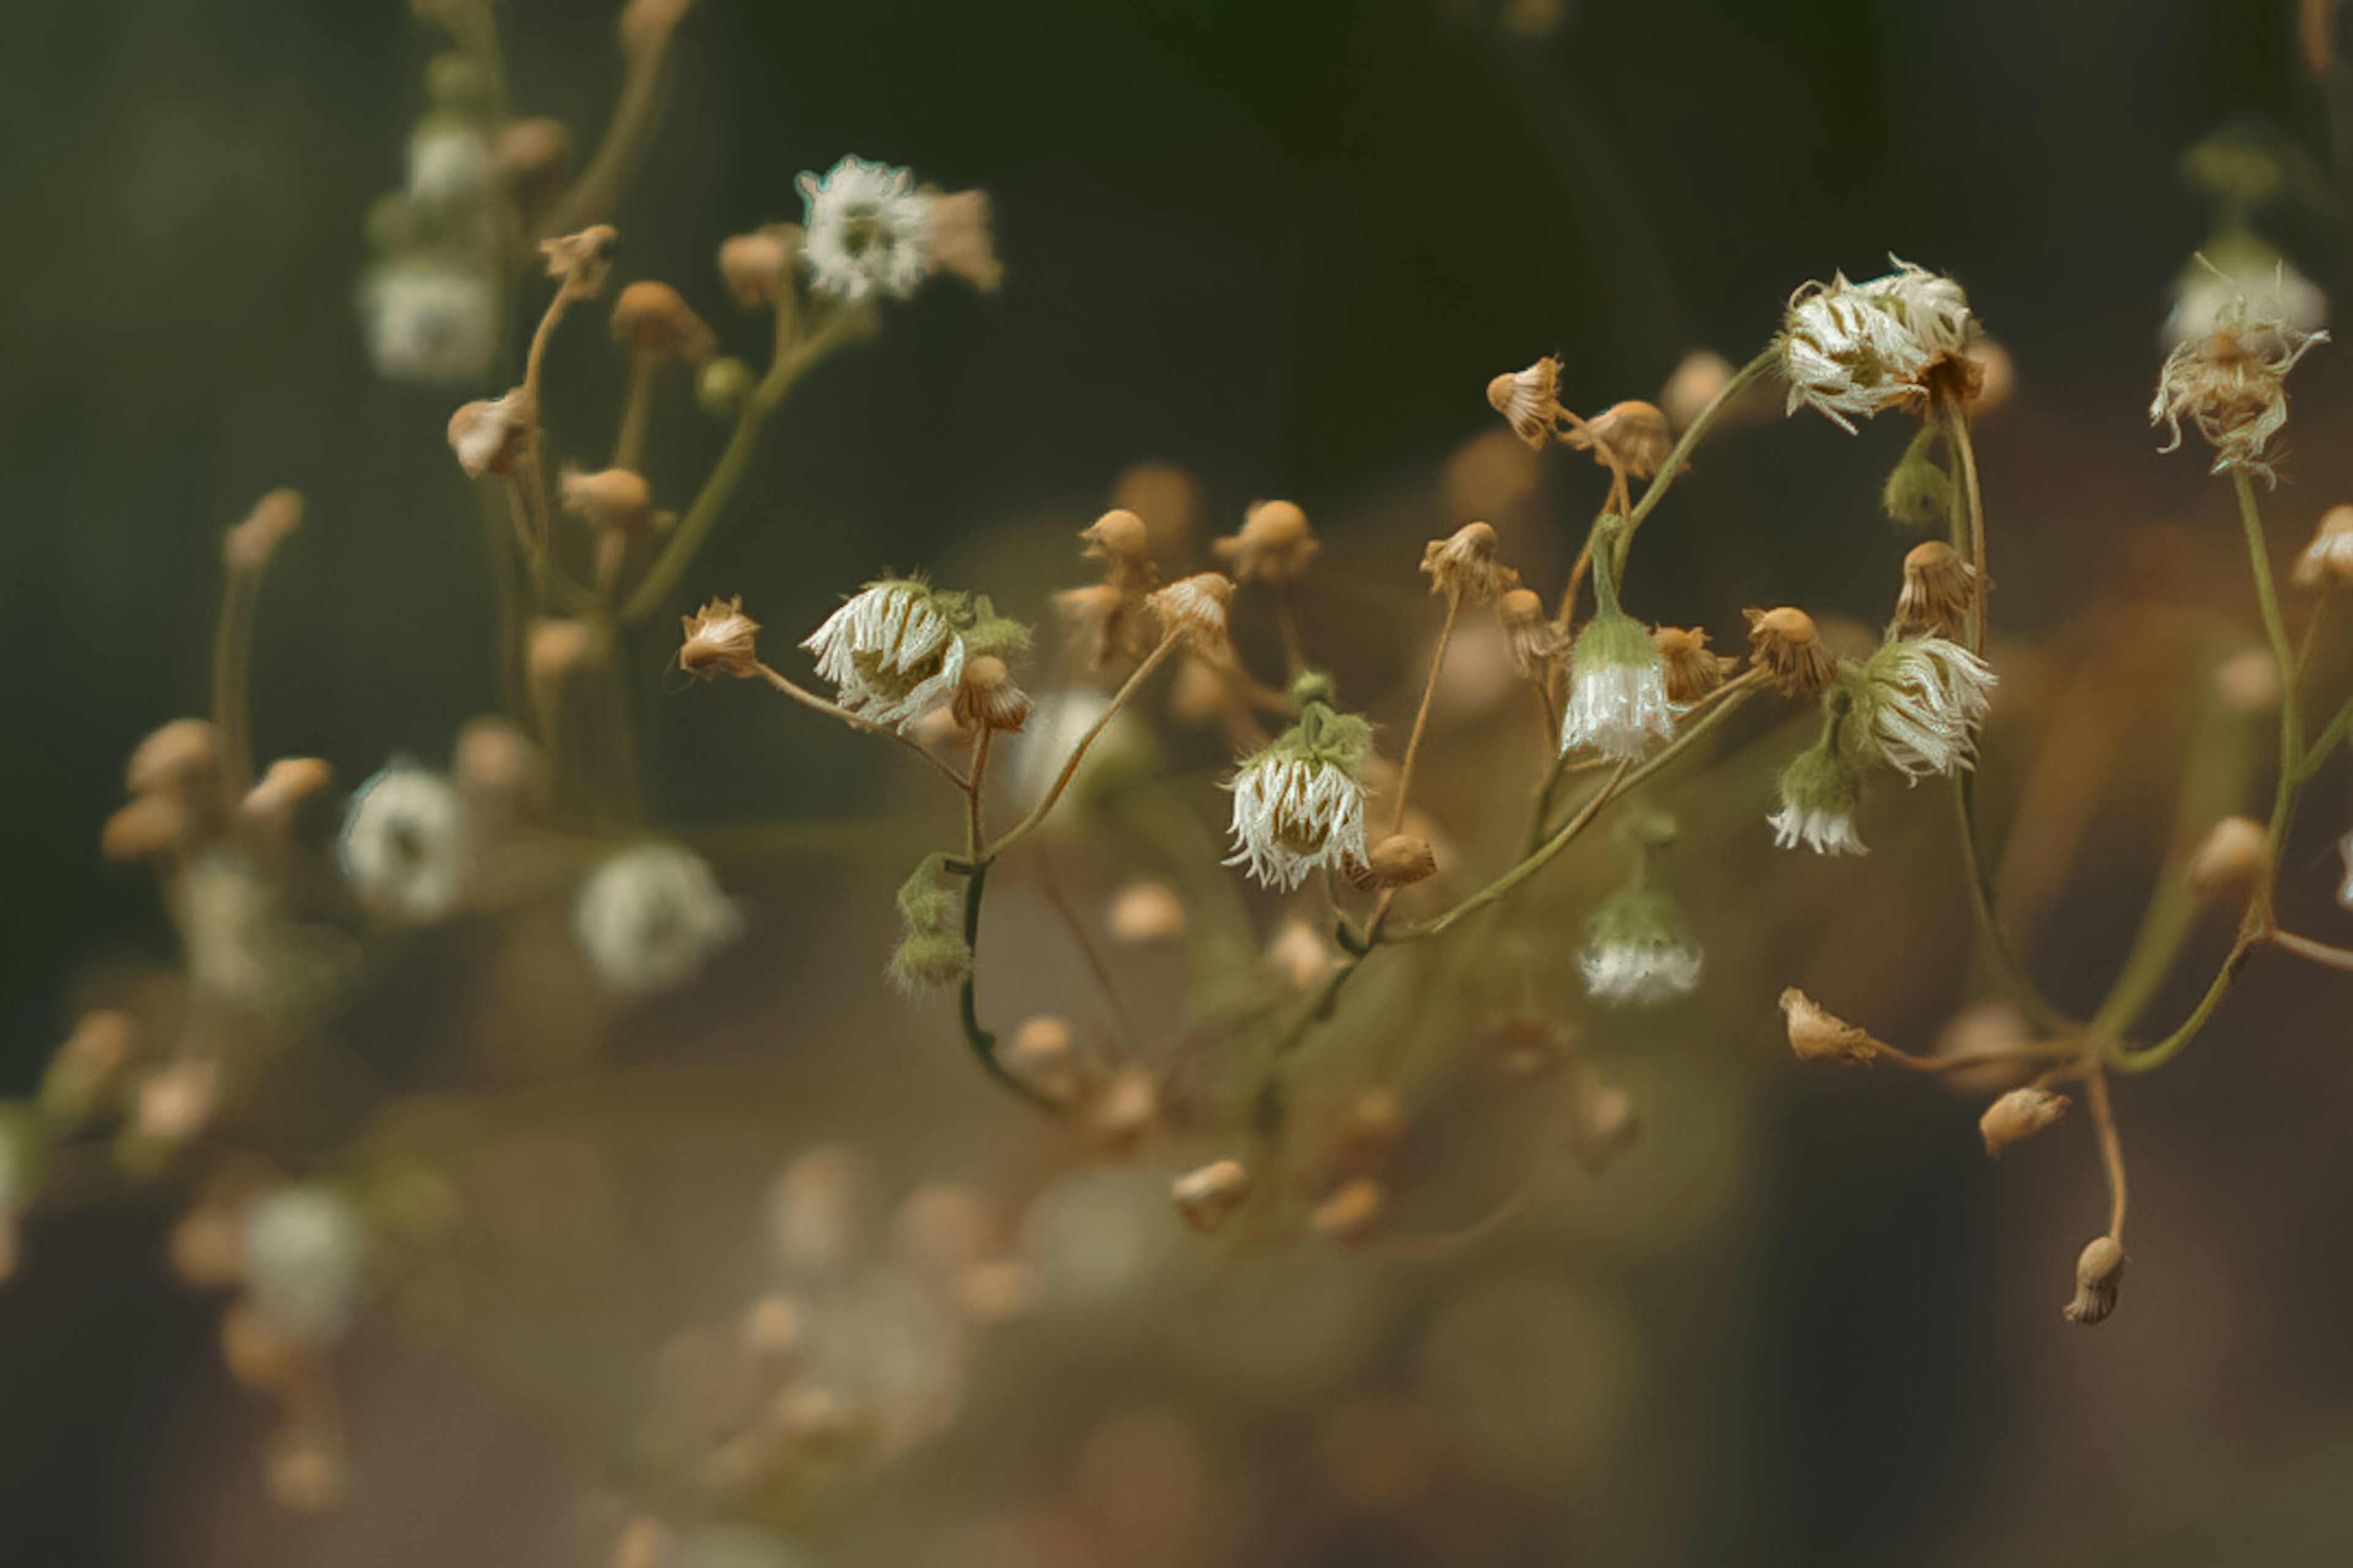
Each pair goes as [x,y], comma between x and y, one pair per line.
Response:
[1209,1195]
[609,498]
[2231,858]
[651,319]
[184,757]
[1633,434]
[1691,670]
[720,640]
[987,698]
[288,783]
[1919,492]
[1464,566]
[758,266]
[1531,637]
[1119,539]
[1397,861]
[1788,646]
[2020,1115]
[2098,1273]
[722,385]
[1124,1110]
[1821,1036]
[2328,560]
[488,435]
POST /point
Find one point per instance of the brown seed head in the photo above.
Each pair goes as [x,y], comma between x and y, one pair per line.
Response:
[1788,646]
[1275,543]
[1939,589]
[1634,434]
[720,640]
[1397,861]
[987,698]
[2020,1115]
[1194,609]
[1691,670]
[651,319]
[248,546]
[2099,1272]
[1821,1036]
[1119,539]
[610,498]
[1528,633]
[1465,566]
[758,265]
[1530,400]
[1208,1195]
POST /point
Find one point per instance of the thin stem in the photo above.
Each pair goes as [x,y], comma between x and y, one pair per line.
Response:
[1421,714]
[1656,490]
[811,700]
[232,672]
[1957,424]
[644,84]
[1286,620]
[637,412]
[2112,1153]
[1028,823]
[2046,1014]
[983,1042]
[976,794]
[2319,952]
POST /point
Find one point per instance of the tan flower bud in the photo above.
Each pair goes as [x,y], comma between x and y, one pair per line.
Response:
[1351,1211]
[1534,641]
[2232,858]
[184,757]
[1397,861]
[1147,911]
[720,640]
[2099,1272]
[248,546]
[1275,543]
[610,498]
[1194,608]
[2020,1115]
[986,697]
[1821,1036]
[1634,434]
[1209,1195]
[758,266]
[650,318]
[1788,646]
[1119,539]
[1530,399]
[1939,589]
[488,435]
[2328,560]
[1464,567]
[581,261]
[1691,670]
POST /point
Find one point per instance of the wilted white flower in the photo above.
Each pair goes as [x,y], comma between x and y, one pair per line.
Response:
[1859,349]
[1931,306]
[868,231]
[1820,793]
[1636,952]
[1616,690]
[894,651]
[1300,804]
[429,319]
[651,917]
[403,846]
[305,1253]
[2231,383]
[1922,700]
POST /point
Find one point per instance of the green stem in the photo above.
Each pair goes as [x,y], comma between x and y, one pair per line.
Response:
[1028,823]
[1656,490]
[982,1041]
[1968,496]
[644,83]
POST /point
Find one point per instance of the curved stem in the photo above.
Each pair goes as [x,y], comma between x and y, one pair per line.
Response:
[1028,823]
[2319,952]
[644,83]
[811,700]
[982,1041]
[1957,425]
[1656,490]
[2112,1153]
[1421,714]
[2046,1014]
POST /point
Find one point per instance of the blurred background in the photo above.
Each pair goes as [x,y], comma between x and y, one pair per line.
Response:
[1280,248]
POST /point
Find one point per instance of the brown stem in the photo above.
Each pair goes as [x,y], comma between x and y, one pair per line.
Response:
[812,702]
[1421,714]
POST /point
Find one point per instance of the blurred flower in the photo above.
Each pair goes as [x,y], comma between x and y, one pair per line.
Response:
[403,846]
[2233,265]
[868,231]
[430,320]
[305,1246]
[449,161]
[2328,560]
[651,917]
[1636,949]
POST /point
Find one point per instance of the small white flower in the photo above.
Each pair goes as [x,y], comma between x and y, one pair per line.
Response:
[1924,698]
[404,844]
[305,1255]
[894,651]
[1640,976]
[1300,804]
[1820,793]
[1823,832]
[429,320]
[868,231]
[1617,691]
[651,917]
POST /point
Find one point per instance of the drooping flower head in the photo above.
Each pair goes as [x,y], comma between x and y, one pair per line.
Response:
[1530,400]
[1939,588]
[1637,951]
[650,916]
[1617,681]
[1300,804]
[1821,789]
[1917,702]
[403,843]
[868,231]
[2232,384]
[1858,349]
[895,650]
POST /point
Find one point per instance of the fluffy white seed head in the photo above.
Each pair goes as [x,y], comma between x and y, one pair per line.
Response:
[404,844]
[651,917]
[868,231]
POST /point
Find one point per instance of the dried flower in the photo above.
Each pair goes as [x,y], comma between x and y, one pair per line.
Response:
[305,1248]
[894,651]
[987,698]
[2232,858]
[1692,671]
[1634,434]
[720,640]
[611,497]
[1397,861]
[489,435]
[1532,641]
[1194,609]
[651,319]
[2099,1272]
[580,262]
[1821,1036]
[1788,647]
[650,916]
[1208,1195]
[2020,1115]
[1618,688]
[1119,539]
[1859,349]
[2328,560]
[1637,952]
[2232,384]
[756,265]
[1274,545]
[1921,700]
[403,846]
[1820,792]
[868,231]
[1939,587]
[1464,565]
[1300,804]
[1530,400]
